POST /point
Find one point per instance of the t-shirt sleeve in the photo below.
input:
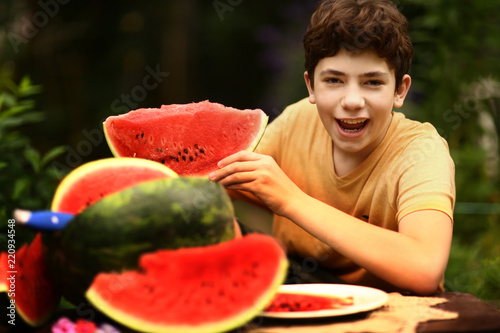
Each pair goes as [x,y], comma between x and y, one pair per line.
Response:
[427,177]
[272,140]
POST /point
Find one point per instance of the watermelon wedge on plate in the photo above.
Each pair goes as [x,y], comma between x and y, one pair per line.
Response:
[188,138]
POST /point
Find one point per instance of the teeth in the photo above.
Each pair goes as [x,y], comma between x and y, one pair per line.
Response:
[353,121]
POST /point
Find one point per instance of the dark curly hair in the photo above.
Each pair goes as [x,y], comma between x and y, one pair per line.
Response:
[358,25]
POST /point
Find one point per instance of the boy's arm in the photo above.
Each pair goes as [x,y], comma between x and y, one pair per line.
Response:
[413,258]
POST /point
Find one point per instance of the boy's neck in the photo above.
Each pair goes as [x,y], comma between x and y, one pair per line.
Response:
[346,163]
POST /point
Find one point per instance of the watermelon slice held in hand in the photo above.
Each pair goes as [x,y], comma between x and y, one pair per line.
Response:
[202,289]
[188,138]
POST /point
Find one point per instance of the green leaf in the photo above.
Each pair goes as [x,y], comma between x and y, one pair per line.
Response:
[7,99]
[26,87]
[31,117]
[51,155]
[16,110]
[20,187]
[33,156]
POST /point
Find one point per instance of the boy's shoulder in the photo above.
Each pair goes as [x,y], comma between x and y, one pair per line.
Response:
[301,106]
[404,127]
[407,137]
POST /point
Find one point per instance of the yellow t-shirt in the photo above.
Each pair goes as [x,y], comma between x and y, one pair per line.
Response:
[410,170]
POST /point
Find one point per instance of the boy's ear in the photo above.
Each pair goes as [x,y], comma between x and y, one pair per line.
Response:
[310,89]
[400,94]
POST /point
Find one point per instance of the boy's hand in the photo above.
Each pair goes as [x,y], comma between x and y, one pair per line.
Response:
[260,175]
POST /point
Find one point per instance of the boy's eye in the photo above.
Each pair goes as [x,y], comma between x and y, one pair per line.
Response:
[374,83]
[333,80]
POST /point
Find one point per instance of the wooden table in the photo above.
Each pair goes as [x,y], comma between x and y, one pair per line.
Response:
[469,315]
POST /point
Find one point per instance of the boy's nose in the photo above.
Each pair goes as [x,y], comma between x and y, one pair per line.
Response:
[353,99]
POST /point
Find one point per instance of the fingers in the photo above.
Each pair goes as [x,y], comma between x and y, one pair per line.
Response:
[239,156]
[236,172]
[237,163]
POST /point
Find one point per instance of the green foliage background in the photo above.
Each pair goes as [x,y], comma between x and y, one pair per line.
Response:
[80,62]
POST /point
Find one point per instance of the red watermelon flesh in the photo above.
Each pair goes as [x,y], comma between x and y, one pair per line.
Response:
[3,271]
[188,138]
[94,180]
[36,293]
[292,302]
[204,289]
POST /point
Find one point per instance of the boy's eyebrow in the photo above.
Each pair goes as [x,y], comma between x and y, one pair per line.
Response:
[330,71]
[374,74]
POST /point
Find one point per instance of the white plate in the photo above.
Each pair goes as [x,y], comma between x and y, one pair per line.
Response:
[365,299]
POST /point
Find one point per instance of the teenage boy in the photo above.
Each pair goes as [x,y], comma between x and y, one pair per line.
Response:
[354,185]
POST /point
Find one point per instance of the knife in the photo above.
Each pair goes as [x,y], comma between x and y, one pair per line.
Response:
[43,220]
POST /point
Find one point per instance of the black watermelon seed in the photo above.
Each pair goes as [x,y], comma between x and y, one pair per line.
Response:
[142,135]
[179,153]
[191,158]
[162,161]
[185,151]
[183,158]
[177,159]
[202,151]
[196,145]
[137,136]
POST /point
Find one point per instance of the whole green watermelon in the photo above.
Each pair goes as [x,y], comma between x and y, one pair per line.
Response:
[111,234]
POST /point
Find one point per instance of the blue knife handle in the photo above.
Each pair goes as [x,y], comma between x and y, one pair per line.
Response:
[47,220]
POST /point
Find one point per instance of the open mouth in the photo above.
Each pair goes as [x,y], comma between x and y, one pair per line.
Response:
[352,125]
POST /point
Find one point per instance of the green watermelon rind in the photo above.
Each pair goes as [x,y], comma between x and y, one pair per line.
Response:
[222,326]
[260,134]
[140,219]
[109,141]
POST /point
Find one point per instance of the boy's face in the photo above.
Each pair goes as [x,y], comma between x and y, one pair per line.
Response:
[355,95]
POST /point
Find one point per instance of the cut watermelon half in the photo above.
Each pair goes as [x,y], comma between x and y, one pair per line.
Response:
[94,180]
[203,289]
[36,293]
[188,138]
